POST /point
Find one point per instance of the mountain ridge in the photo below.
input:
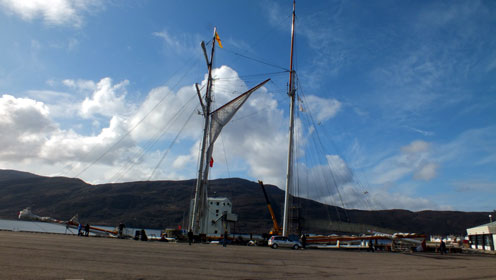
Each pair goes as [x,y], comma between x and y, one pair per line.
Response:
[161,204]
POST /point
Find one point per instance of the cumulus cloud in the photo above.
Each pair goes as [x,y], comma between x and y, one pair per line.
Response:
[107,99]
[109,145]
[56,12]
[254,142]
[31,139]
[24,124]
[165,112]
[26,121]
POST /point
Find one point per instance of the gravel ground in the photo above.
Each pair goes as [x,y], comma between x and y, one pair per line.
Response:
[53,256]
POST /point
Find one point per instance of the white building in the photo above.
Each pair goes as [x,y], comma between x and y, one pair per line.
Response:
[219,216]
[483,237]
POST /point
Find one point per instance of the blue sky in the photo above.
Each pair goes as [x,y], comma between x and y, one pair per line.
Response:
[401,94]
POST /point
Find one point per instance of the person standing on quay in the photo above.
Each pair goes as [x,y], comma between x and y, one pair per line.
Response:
[442,247]
[190,237]
[121,230]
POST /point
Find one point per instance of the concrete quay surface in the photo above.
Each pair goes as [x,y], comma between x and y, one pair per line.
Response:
[26,255]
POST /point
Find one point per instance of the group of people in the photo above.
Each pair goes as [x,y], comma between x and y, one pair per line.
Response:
[86,230]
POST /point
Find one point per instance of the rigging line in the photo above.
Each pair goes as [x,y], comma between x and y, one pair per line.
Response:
[262,38]
[258,60]
[163,131]
[155,139]
[355,174]
[227,165]
[297,185]
[318,150]
[252,75]
[264,74]
[270,31]
[171,145]
[355,178]
[131,130]
[332,173]
[306,182]
[187,66]
[314,153]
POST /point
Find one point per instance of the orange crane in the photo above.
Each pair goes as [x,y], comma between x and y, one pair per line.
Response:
[276,230]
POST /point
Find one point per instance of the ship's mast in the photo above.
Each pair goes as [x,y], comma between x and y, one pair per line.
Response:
[214,122]
[291,93]
[200,200]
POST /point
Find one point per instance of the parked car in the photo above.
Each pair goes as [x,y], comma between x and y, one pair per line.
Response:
[277,241]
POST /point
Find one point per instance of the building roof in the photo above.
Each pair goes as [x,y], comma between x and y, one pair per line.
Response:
[483,229]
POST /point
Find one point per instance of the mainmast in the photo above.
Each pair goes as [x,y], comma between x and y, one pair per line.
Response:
[291,93]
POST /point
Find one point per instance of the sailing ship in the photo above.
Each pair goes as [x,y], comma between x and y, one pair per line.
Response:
[202,222]
[210,216]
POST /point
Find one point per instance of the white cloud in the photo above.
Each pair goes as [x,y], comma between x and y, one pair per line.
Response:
[254,142]
[81,85]
[415,159]
[418,146]
[323,109]
[28,132]
[109,145]
[25,124]
[56,12]
[165,112]
[426,172]
[32,141]
[105,100]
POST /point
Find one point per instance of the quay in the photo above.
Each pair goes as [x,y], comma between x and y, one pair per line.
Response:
[25,255]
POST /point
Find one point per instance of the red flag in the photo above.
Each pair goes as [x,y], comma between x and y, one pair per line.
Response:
[211,162]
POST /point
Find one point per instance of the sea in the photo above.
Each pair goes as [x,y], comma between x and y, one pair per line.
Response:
[35,226]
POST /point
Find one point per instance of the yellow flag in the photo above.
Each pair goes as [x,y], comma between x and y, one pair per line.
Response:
[218,39]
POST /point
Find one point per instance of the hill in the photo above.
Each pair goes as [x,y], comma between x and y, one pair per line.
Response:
[161,204]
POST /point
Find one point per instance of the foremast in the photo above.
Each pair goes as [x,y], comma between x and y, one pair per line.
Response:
[200,199]
[291,93]
[213,124]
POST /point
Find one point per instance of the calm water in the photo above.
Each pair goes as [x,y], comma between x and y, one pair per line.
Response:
[32,226]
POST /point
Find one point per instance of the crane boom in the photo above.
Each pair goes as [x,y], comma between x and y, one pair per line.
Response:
[276,229]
